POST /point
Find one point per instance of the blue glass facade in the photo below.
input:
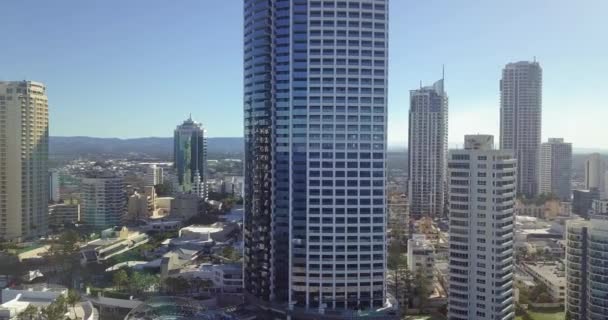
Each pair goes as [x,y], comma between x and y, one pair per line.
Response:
[315,85]
[190,155]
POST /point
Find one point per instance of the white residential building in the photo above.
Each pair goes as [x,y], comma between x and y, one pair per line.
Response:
[24,148]
[427,150]
[556,168]
[482,191]
[153,175]
[587,269]
[54,191]
[599,207]
[520,120]
[595,174]
[420,255]
[104,200]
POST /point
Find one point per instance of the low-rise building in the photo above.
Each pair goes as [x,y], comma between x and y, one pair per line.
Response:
[599,207]
[420,255]
[63,214]
[548,210]
[161,225]
[113,241]
[582,201]
[219,231]
[162,206]
[186,206]
[138,207]
[15,301]
[552,275]
[226,278]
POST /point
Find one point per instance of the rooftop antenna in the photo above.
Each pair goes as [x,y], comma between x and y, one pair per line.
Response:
[420,84]
[443,79]
[190,116]
[534,58]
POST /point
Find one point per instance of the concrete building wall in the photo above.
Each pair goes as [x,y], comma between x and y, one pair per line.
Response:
[482,191]
[520,120]
[23,160]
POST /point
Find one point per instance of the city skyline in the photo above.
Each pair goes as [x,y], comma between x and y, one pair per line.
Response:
[156,63]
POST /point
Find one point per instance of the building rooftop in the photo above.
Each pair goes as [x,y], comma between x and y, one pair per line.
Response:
[550,271]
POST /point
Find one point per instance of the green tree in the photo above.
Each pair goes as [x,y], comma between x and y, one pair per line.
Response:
[141,282]
[30,313]
[56,310]
[120,279]
[72,299]
[540,293]
[400,276]
[423,289]
[231,254]
[183,286]
[164,189]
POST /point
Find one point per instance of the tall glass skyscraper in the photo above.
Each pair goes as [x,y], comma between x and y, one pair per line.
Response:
[190,157]
[315,88]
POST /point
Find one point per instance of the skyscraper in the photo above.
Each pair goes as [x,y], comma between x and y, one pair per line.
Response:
[315,89]
[104,200]
[520,120]
[556,168]
[595,170]
[190,158]
[586,269]
[481,204]
[24,145]
[54,187]
[427,150]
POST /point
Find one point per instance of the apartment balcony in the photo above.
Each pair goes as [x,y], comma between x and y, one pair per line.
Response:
[505,293]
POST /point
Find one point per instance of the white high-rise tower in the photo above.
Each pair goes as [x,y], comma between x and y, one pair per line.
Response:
[520,120]
[427,150]
[24,145]
[482,193]
[595,173]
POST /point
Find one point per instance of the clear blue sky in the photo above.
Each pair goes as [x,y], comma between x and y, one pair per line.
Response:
[137,68]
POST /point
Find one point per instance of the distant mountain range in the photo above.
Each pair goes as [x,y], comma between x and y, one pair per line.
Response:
[153,146]
[71,147]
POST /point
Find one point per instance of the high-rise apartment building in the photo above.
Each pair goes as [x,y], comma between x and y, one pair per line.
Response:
[595,173]
[427,150]
[24,144]
[104,200]
[315,90]
[587,269]
[556,168]
[190,158]
[54,187]
[482,192]
[153,175]
[520,120]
